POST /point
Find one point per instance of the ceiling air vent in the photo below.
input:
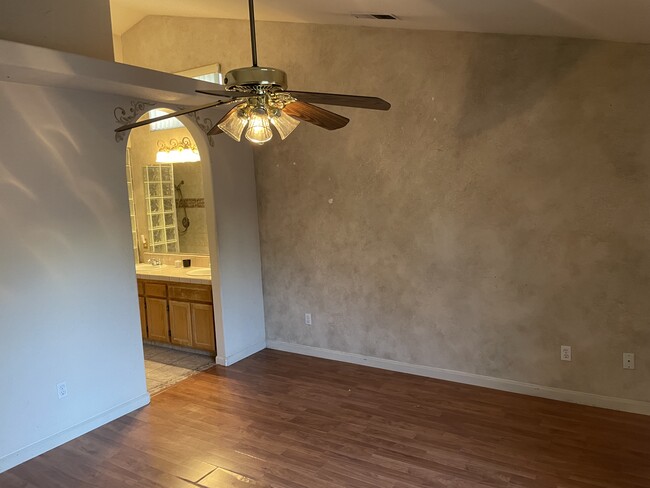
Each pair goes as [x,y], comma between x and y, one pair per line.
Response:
[375,16]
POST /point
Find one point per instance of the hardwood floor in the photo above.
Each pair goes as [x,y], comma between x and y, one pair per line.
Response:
[282,420]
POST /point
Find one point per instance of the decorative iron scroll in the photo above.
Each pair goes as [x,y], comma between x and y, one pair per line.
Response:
[205,124]
[127,116]
[138,107]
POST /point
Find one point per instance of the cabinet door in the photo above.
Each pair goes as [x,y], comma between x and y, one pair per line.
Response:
[143,318]
[180,323]
[157,319]
[203,326]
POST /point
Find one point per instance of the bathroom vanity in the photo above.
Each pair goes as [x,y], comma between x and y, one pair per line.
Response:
[176,308]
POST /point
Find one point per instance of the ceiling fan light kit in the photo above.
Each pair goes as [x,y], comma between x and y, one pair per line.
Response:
[258,113]
[262,101]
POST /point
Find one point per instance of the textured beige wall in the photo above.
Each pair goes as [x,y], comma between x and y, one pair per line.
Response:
[117,48]
[75,26]
[499,210]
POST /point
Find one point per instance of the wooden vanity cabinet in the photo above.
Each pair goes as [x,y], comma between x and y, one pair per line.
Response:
[177,313]
[154,295]
[192,317]
[203,326]
[157,319]
[143,317]
[143,310]
[180,323]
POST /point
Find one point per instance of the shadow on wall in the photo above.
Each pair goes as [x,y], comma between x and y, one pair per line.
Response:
[505,80]
[53,181]
[494,16]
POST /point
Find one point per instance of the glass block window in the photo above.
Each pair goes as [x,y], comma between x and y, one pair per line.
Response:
[161,208]
[129,184]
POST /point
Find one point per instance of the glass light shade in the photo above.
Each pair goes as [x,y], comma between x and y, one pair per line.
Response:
[188,156]
[259,128]
[178,156]
[162,157]
[234,125]
[285,124]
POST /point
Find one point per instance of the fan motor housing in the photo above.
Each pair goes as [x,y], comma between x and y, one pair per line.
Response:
[255,76]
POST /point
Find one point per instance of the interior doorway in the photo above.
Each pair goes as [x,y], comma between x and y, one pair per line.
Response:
[171,248]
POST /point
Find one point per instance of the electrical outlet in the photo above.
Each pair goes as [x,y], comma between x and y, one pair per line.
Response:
[628,360]
[62,390]
[307,319]
[565,353]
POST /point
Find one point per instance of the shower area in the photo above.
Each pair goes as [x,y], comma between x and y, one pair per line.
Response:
[167,198]
[190,212]
[175,208]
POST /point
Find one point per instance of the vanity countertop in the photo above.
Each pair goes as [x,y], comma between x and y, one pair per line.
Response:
[171,273]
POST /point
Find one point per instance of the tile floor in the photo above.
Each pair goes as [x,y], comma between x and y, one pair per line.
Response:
[165,367]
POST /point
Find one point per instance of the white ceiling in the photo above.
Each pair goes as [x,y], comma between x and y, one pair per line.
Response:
[617,20]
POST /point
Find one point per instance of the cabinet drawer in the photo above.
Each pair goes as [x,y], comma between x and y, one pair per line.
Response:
[155,289]
[198,293]
[140,288]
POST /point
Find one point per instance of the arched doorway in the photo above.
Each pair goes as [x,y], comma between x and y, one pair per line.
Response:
[166,166]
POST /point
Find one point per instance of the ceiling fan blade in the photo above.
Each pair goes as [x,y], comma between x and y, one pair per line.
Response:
[341,100]
[173,114]
[222,93]
[215,129]
[315,115]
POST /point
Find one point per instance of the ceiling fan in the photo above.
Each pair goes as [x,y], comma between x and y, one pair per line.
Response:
[261,100]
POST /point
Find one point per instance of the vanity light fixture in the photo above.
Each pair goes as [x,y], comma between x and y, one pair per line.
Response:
[183,151]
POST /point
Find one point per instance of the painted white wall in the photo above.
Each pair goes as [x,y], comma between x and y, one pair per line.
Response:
[68,297]
[74,26]
[235,253]
[233,238]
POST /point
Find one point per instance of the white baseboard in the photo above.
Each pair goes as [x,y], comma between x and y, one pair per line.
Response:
[37,448]
[243,354]
[612,403]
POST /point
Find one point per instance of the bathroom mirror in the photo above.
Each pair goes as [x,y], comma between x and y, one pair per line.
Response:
[168,203]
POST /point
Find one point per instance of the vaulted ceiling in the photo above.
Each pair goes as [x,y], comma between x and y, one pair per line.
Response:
[616,20]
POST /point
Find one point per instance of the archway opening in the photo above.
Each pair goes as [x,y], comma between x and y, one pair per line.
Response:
[171,245]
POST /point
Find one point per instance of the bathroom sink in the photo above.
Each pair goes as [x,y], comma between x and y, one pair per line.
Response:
[149,267]
[200,272]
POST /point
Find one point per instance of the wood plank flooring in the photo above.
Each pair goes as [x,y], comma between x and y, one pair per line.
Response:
[282,420]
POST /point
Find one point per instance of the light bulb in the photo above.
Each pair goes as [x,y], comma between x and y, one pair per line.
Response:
[259,129]
[285,124]
[234,124]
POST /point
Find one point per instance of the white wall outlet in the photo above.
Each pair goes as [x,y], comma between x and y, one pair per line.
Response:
[565,353]
[628,360]
[62,390]
[307,319]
